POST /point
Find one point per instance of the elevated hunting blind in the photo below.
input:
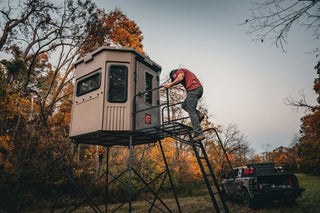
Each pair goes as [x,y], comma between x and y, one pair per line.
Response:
[105,100]
[116,101]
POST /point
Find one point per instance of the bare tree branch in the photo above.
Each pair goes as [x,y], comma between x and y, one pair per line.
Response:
[274,18]
[298,104]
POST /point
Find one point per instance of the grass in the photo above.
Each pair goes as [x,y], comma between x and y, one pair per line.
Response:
[308,203]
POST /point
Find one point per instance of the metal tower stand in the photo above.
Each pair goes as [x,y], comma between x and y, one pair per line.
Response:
[111,178]
[177,131]
[170,128]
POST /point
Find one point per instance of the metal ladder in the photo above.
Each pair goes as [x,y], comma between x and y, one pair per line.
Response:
[202,156]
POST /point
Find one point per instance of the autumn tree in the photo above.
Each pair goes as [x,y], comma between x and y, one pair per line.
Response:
[281,156]
[236,147]
[112,28]
[32,31]
[40,41]
[274,19]
[309,143]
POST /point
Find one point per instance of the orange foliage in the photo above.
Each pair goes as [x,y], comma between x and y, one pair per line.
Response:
[13,105]
[112,28]
[230,156]
[6,147]
[186,168]
[189,169]
[309,143]
[156,156]
[124,31]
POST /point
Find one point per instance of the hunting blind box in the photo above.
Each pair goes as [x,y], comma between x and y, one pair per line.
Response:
[105,101]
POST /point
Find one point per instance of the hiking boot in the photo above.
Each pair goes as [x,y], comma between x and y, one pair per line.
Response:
[200,115]
[199,138]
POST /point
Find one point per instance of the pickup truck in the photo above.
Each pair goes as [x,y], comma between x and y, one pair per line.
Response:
[261,182]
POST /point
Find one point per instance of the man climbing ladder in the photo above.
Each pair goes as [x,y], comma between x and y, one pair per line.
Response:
[194,92]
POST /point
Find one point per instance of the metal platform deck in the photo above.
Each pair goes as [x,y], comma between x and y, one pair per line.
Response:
[143,136]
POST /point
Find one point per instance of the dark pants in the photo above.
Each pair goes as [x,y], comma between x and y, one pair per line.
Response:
[190,105]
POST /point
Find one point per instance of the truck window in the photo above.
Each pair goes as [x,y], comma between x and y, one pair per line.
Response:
[233,173]
[118,83]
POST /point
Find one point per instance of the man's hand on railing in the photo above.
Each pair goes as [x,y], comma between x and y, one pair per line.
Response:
[167,86]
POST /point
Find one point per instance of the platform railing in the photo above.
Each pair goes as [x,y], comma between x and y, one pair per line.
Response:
[134,107]
[165,106]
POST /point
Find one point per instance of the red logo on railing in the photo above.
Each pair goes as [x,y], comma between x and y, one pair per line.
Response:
[148,119]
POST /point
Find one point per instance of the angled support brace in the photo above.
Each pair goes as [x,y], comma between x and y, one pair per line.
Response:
[172,185]
[83,194]
[140,190]
[64,178]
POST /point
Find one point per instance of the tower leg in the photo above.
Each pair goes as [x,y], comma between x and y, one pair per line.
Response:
[170,179]
[107,179]
[130,173]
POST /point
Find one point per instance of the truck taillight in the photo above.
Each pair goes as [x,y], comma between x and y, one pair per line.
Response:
[290,181]
[248,171]
[251,171]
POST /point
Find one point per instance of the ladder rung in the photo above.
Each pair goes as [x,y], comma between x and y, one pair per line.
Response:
[203,158]
[197,142]
[215,193]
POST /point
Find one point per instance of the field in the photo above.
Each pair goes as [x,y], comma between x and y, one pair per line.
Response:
[308,203]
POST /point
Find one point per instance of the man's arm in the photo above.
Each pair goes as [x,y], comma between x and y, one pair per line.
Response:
[179,78]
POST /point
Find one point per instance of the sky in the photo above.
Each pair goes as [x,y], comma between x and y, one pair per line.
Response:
[245,82]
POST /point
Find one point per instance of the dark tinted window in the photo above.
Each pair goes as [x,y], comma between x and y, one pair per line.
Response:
[149,78]
[118,83]
[233,173]
[89,84]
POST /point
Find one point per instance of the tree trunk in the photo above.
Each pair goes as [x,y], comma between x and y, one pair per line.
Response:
[97,161]
[104,160]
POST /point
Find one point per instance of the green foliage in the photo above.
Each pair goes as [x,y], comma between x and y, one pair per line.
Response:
[195,188]
[14,66]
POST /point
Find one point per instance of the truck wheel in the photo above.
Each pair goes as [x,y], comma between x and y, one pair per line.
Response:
[247,201]
[290,201]
[224,194]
